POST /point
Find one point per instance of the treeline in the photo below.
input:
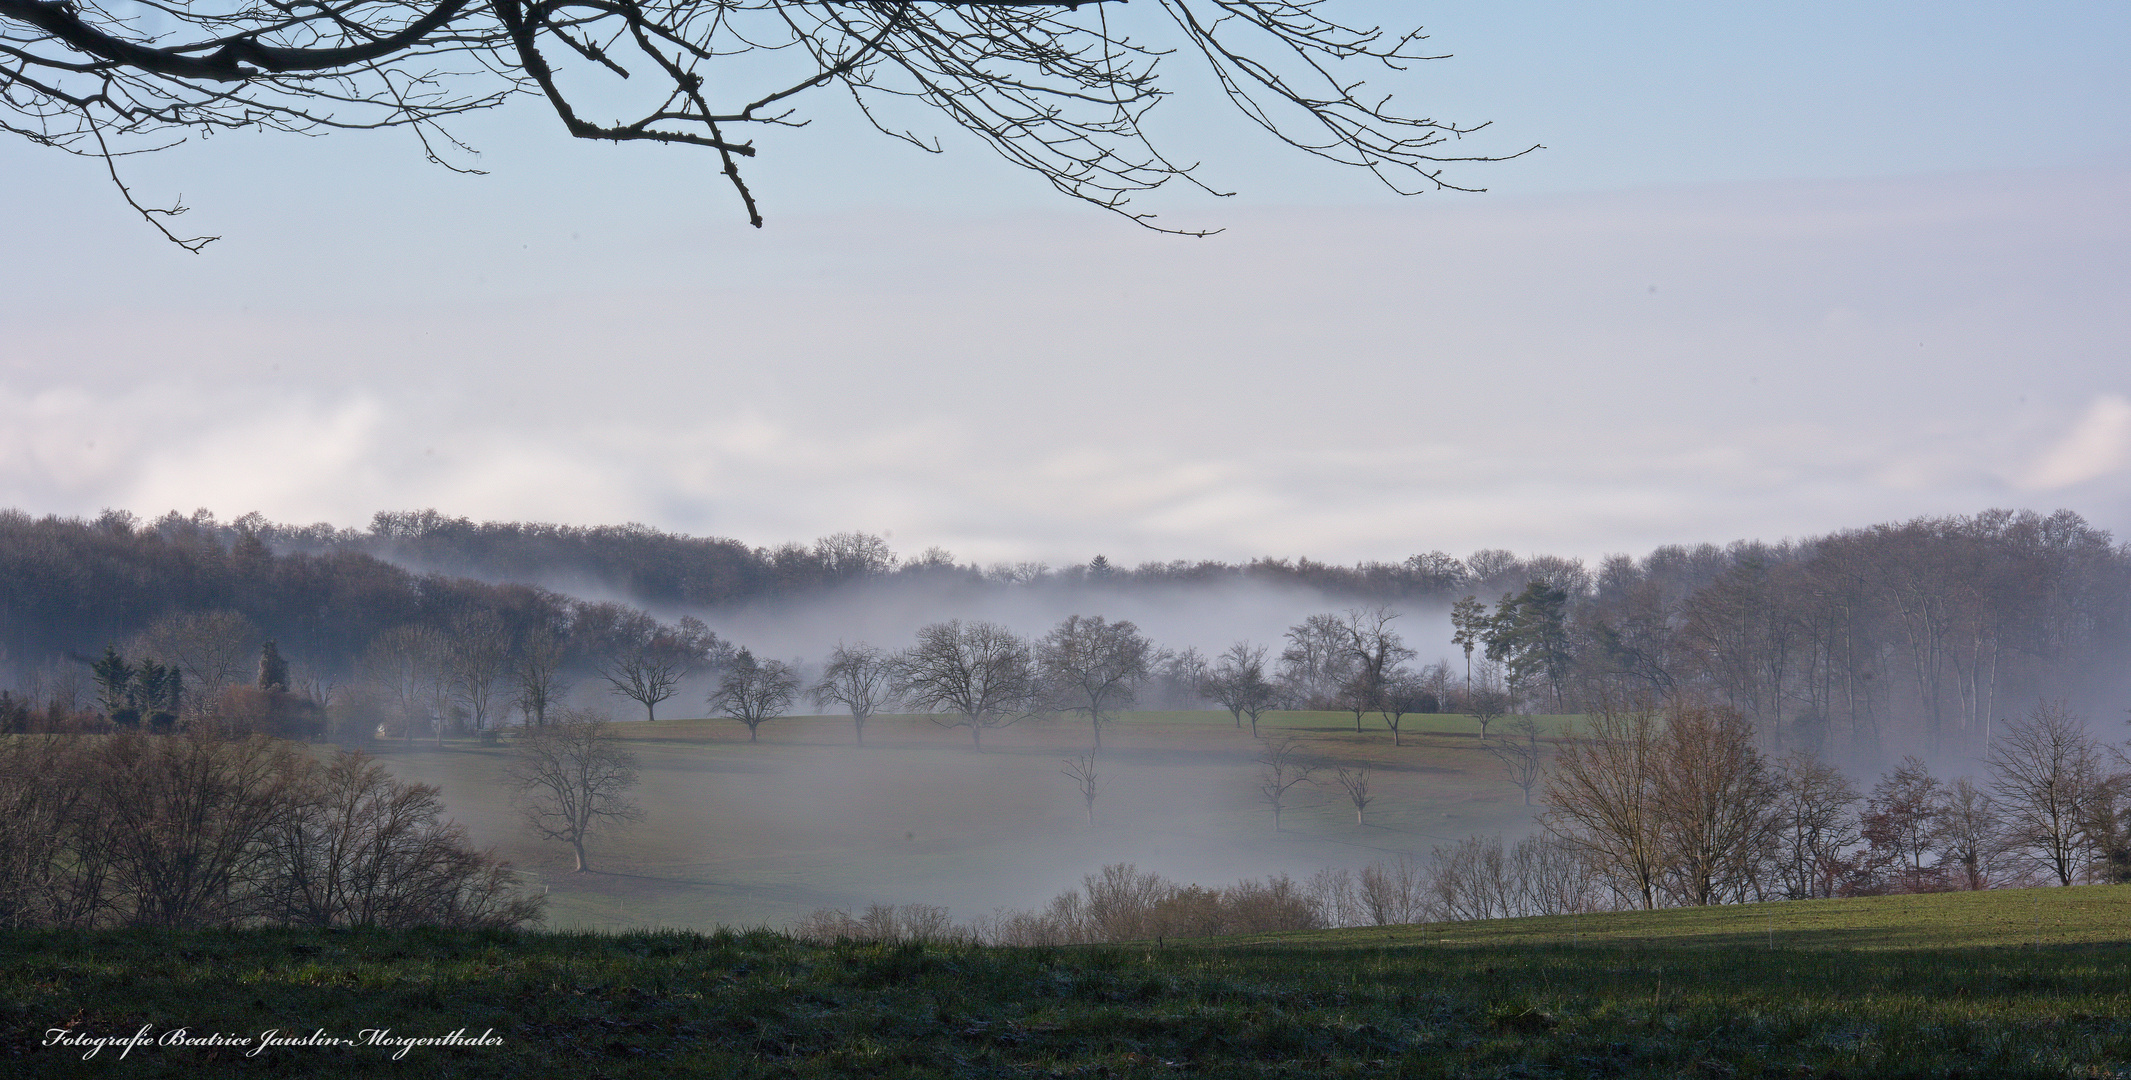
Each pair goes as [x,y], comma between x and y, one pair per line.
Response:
[173,622]
[69,587]
[665,569]
[191,830]
[1901,635]
[1680,807]
[71,584]
[1919,634]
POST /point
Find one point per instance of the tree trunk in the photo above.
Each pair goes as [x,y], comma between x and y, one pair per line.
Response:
[579,847]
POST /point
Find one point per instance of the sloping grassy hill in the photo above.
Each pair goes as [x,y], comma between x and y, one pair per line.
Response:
[1670,994]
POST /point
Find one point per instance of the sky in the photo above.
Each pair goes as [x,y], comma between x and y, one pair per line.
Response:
[1778,270]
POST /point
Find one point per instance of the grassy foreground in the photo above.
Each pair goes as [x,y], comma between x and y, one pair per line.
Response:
[1863,988]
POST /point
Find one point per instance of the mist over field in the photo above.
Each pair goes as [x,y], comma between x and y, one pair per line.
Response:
[1207,617]
[743,833]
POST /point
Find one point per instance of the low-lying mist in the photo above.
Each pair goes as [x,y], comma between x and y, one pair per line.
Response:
[739,833]
[1207,617]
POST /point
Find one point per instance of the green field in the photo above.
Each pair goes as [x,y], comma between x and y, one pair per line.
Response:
[747,834]
[1881,987]
[2010,918]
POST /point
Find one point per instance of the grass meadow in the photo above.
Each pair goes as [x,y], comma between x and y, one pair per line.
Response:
[758,834]
[1940,986]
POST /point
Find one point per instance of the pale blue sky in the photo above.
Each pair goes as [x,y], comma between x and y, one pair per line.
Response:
[1780,269]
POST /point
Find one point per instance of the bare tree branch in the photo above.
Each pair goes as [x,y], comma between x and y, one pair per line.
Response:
[1063,89]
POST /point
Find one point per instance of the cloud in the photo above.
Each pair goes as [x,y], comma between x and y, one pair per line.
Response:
[2098,445]
[1347,384]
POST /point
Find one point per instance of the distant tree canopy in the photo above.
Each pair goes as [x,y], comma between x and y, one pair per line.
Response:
[72,588]
[1916,632]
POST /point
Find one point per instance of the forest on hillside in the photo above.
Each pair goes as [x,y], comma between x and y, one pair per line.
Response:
[1911,635]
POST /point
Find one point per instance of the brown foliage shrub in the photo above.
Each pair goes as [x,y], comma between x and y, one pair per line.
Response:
[190,830]
[250,710]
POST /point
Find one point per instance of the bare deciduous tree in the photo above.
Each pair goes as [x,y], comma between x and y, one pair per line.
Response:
[859,677]
[1094,666]
[1238,683]
[188,830]
[1394,891]
[1355,782]
[1480,878]
[1176,679]
[1816,823]
[1059,88]
[212,648]
[571,779]
[1520,758]
[2045,770]
[362,849]
[1971,838]
[1317,663]
[647,676]
[479,656]
[979,674]
[57,847]
[651,661]
[187,813]
[2107,827]
[755,691]
[536,674]
[1553,878]
[1265,700]
[1489,702]
[1280,768]
[1901,823]
[1401,696]
[406,668]
[1603,797]
[1376,651]
[1716,796]
[847,556]
[1082,772]
[1471,879]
